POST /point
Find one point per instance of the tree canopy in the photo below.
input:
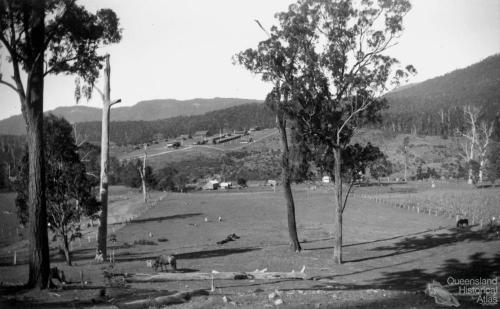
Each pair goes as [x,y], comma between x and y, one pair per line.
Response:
[68,187]
[328,62]
[44,37]
[71,39]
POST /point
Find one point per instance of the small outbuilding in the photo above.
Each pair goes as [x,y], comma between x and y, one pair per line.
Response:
[212,185]
[271,182]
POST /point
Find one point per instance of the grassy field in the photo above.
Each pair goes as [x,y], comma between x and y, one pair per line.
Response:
[479,205]
[390,253]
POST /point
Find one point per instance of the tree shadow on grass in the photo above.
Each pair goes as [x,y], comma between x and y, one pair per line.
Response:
[160,219]
[142,256]
[365,242]
[429,241]
[477,266]
[126,256]
[214,253]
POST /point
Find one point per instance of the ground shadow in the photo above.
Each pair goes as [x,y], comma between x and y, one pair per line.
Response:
[429,241]
[477,266]
[214,253]
[126,256]
[366,242]
[130,257]
[186,270]
[160,219]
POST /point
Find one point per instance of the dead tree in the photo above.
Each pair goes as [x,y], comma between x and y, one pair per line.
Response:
[485,131]
[142,172]
[103,188]
[471,114]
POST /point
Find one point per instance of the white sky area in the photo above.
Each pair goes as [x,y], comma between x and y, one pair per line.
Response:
[183,49]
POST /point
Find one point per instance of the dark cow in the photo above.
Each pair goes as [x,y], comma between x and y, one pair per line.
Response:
[463,223]
[164,260]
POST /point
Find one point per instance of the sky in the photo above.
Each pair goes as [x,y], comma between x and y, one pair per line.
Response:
[183,49]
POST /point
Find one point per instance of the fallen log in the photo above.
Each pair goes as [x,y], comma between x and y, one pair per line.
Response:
[256,275]
[177,298]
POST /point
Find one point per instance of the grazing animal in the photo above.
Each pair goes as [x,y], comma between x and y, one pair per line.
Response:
[99,257]
[462,223]
[56,273]
[229,238]
[164,260]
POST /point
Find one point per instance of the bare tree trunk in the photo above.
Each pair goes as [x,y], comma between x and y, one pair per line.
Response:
[337,241]
[287,190]
[481,168]
[39,262]
[67,254]
[406,165]
[103,189]
[143,174]
[472,114]
[32,107]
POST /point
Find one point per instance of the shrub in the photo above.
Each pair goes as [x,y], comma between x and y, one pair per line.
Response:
[242,182]
[145,242]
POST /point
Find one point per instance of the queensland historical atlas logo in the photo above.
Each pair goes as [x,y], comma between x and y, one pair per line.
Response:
[483,290]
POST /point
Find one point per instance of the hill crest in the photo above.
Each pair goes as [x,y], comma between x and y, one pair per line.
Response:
[147,110]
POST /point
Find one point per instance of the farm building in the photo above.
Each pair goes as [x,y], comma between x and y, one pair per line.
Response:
[200,135]
[211,185]
[242,132]
[226,185]
[271,183]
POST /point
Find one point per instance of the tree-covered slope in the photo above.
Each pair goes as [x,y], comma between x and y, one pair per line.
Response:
[434,106]
[136,132]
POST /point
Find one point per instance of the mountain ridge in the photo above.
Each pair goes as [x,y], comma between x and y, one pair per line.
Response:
[146,110]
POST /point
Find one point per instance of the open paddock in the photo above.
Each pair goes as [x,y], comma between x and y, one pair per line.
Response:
[389,253]
[480,206]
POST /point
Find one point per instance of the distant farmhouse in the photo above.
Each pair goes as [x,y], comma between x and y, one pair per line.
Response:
[200,135]
[212,185]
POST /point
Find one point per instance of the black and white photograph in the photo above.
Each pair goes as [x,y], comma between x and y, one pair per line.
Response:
[249,154]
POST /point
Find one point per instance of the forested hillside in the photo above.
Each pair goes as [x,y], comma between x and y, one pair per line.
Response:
[434,107]
[136,132]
